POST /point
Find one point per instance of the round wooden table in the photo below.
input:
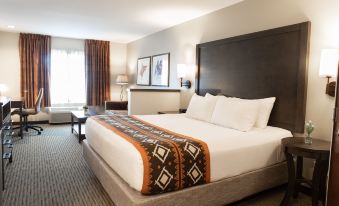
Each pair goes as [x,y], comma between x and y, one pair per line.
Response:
[319,150]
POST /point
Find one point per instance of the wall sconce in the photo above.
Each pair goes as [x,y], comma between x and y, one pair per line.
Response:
[3,88]
[122,79]
[329,68]
[181,73]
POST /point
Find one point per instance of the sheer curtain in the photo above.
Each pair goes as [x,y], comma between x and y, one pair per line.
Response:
[68,78]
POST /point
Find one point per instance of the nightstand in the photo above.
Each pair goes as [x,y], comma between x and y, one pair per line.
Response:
[173,112]
[116,105]
[319,150]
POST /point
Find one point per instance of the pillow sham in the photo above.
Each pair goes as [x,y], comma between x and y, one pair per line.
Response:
[265,109]
[201,108]
[235,114]
[266,106]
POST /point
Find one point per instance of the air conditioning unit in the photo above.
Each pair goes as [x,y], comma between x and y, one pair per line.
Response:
[59,115]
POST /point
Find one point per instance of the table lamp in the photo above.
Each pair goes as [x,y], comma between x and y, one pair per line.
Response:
[122,80]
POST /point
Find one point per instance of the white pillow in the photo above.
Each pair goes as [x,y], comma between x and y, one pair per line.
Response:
[201,108]
[266,106]
[265,109]
[235,114]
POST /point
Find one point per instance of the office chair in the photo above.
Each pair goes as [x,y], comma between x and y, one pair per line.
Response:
[31,111]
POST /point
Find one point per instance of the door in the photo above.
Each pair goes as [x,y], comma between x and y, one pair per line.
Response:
[333,185]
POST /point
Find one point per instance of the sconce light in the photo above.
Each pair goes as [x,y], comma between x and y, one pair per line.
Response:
[329,68]
[3,88]
[122,79]
[181,73]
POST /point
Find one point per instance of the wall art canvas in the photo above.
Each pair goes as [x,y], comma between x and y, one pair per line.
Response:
[144,71]
[160,70]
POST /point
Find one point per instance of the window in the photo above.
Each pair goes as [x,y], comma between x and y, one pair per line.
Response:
[68,78]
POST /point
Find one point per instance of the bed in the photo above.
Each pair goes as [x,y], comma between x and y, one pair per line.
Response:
[240,162]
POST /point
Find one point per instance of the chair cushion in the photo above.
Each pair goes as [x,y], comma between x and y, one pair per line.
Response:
[25,112]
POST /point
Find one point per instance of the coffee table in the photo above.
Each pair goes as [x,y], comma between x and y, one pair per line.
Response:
[78,120]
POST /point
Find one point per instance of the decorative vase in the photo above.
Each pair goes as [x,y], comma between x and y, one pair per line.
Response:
[308,139]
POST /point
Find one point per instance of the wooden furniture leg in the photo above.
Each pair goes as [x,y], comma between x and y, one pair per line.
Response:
[21,125]
[316,182]
[299,175]
[72,123]
[79,129]
[291,180]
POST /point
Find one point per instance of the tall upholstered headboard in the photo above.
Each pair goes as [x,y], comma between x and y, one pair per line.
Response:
[271,63]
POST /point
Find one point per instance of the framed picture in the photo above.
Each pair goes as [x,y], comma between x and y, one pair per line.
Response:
[160,70]
[144,71]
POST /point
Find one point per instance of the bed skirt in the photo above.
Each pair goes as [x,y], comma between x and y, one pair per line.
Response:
[216,193]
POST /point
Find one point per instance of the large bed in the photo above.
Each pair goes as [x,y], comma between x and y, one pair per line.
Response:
[241,163]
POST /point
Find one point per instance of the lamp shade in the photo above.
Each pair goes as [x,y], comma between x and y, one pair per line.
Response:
[122,79]
[3,88]
[181,70]
[329,63]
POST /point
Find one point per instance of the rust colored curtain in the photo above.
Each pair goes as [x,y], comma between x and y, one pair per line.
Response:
[35,65]
[97,65]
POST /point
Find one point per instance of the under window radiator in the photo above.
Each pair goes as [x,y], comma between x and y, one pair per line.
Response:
[59,115]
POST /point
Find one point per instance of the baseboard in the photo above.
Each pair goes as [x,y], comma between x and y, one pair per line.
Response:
[33,122]
[60,123]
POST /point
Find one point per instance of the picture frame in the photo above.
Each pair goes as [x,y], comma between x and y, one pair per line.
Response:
[160,71]
[144,71]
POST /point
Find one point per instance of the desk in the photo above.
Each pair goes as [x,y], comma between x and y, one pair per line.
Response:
[18,102]
[80,117]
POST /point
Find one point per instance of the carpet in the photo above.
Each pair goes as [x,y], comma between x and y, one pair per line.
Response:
[49,170]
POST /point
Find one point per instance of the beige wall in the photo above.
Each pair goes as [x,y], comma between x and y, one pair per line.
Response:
[118,66]
[10,65]
[246,17]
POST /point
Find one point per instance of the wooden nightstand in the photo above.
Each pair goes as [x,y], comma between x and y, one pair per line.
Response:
[116,105]
[173,112]
[319,150]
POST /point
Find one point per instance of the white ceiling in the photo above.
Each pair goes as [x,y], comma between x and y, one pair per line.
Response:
[114,20]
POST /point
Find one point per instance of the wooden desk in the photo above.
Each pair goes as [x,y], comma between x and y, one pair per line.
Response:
[80,117]
[19,102]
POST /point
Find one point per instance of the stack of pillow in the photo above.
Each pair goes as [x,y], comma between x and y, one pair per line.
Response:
[230,112]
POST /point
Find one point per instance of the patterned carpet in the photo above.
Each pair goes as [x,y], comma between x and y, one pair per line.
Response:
[49,170]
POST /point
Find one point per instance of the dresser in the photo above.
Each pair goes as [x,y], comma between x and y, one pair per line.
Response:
[6,138]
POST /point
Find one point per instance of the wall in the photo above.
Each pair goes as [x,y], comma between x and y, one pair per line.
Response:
[118,66]
[10,63]
[247,17]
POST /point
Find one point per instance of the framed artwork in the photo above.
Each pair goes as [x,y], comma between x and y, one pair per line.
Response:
[160,70]
[144,71]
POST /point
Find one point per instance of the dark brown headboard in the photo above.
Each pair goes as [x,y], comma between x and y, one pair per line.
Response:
[271,63]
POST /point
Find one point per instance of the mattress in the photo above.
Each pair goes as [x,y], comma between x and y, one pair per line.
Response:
[231,152]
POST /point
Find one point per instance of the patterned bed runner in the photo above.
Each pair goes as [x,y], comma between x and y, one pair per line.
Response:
[171,161]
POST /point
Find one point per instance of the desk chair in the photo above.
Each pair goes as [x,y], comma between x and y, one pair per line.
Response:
[31,111]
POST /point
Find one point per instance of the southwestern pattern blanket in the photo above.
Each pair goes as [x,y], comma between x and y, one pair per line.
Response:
[171,161]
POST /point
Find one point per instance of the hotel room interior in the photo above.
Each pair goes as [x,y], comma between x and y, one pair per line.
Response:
[192,102]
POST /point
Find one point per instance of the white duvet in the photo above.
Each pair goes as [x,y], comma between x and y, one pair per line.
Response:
[231,152]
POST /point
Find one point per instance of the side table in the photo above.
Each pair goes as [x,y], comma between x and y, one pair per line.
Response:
[319,150]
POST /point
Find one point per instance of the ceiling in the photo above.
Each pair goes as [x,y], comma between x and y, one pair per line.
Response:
[117,21]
